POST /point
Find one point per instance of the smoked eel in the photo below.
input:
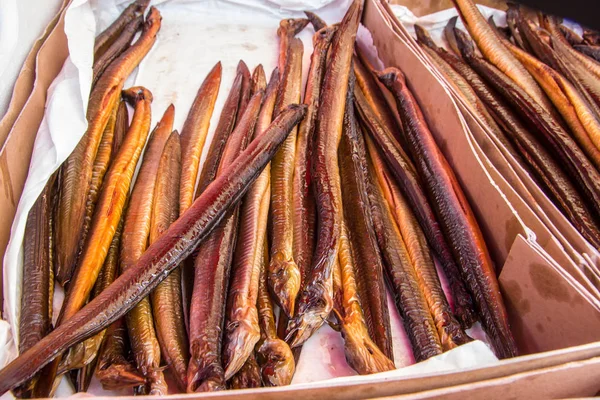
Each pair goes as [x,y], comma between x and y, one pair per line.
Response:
[241,325]
[117,48]
[492,48]
[38,280]
[455,216]
[248,376]
[167,307]
[362,353]
[288,29]
[212,269]
[176,244]
[108,36]
[315,301]
[316,21]
[368,267]
[274,356]
[283,272]
[77,169]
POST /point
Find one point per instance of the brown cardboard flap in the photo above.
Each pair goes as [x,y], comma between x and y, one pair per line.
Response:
[497,219]
[547,310]
[16,153]
[24,83]
[577,379]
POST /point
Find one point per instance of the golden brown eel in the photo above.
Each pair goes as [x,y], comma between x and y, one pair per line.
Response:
[455,216]
[284,274]
[176,244]
[362,354]
[167,307]
[315,301]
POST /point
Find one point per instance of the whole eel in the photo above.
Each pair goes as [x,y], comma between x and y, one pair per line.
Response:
[167,307]
[117,48]
[304,219]
[134,241]
[37,289]
[317,22]
[542,162]
[111,34]
[241,324]
[193,135]
[77,169]
[284,274]
[107,215]
[315,301]
[362,354]
[406,175]
[492,48]
[450,332]
[161,257]
[456,217]
[246,89]
[226,124]
[368,268]
[274,356]
[212,269]
[402,279]
[587,178]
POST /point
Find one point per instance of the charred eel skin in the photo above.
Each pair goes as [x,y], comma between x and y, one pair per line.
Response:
[77,169]
[241,327]
[315,301]
[456,217]
[161,257]
[368,267]
[405,173]
[212,267]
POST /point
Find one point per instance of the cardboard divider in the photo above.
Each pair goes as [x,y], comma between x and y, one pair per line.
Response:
[16,152]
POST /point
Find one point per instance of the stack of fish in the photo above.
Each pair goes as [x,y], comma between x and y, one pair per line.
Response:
[307,211]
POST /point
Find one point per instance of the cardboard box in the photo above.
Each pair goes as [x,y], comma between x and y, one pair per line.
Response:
[553,369]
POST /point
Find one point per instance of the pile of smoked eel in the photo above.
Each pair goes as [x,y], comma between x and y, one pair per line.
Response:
[306,211]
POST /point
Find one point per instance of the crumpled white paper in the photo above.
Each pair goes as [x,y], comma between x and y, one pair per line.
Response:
[193,37]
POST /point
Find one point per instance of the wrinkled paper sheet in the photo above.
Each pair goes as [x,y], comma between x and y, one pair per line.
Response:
[193,37]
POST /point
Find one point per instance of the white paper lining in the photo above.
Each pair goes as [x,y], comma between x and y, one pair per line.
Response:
[193,37]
